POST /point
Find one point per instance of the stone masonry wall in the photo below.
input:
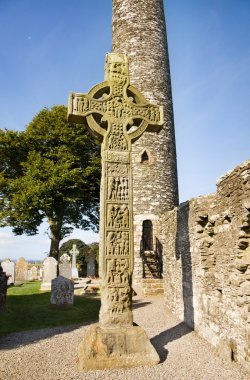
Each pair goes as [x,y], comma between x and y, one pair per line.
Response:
[206,248]
[139,31]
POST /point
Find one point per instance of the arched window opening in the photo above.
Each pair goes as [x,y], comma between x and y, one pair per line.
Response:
[147,235]
[144,157]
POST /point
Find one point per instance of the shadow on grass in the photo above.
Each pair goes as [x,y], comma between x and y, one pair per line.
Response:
[161,340]
[33,311]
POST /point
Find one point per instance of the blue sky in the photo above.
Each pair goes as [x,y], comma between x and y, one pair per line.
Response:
[52,47]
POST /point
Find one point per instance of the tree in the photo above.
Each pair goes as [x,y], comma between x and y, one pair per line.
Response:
[49,171]
[85,252]
[80,245]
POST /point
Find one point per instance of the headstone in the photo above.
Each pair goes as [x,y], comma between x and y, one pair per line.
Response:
[9,269]
[3,289]
[74,252]
[62,292]
[49,272]
[34,273]
[120,106]
[65,266]
[90,265]
[29,275]
[40,272]
[21,270]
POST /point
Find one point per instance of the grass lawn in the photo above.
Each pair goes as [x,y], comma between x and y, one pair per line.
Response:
[27,308]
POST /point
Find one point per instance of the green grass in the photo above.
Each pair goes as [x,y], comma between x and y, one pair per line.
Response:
[27,308]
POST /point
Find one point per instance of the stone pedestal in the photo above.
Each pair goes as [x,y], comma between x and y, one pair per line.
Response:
[115,348]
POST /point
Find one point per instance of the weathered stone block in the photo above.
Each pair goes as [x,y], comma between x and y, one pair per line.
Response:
[115,348]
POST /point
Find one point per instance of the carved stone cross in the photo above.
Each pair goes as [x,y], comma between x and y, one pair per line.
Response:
[74,252]
[117,114]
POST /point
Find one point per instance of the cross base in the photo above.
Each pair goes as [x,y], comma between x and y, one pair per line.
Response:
[115,348]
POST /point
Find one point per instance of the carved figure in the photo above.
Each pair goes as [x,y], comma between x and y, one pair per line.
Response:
[118,271]
[110,270]
[118,188]
[111,215]
[110,242]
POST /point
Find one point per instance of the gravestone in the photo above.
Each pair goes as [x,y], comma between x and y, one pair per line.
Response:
[9,269]
[49,272]
[74,252]
[65,266]
[3,289]
[29,275]
[123,114]
[62,292]
[21,270]
[34,273]
[90,265]
[40,273]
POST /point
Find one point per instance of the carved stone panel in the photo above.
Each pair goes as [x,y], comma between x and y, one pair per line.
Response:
[117,215]
[117,243]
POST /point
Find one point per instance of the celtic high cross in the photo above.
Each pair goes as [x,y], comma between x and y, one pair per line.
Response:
[117,114]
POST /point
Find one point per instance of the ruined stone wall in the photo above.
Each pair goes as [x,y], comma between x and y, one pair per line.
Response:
[139,31]
[206,248]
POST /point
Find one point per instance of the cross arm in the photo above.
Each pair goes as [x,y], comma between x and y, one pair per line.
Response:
[81,107]
[152,119]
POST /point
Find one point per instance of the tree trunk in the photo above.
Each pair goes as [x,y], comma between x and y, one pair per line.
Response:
[54,244]
[55,225]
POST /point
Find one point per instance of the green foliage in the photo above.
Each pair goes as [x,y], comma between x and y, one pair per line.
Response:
[94,250]
[85,250]
[32,308]
[51,171]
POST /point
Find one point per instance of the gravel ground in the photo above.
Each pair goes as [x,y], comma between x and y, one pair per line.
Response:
[51,353]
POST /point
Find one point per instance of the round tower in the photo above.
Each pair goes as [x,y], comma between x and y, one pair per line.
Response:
[139,31]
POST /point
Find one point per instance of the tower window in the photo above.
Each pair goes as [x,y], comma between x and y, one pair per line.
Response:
[144,157]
